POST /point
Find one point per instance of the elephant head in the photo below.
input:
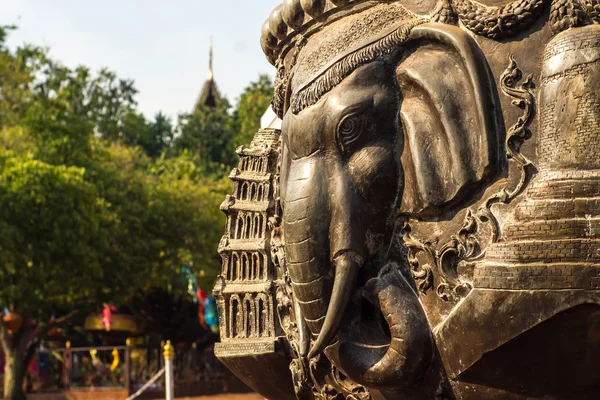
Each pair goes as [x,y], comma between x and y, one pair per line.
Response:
[402,123]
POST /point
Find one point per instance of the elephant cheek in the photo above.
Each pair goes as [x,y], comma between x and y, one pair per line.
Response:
[376,176]
[305,222]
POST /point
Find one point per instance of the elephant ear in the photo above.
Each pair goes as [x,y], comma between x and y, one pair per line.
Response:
[451,120]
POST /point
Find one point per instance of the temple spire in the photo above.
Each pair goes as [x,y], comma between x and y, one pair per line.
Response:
[209,96]
[209,77]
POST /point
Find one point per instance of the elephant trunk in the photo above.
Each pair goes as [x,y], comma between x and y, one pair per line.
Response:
[322,243]
[410,352]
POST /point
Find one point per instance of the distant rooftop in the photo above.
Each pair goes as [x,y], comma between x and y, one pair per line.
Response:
[210,96]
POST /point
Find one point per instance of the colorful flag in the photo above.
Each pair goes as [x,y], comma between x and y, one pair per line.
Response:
[210,314]
[107,316]
[201,297]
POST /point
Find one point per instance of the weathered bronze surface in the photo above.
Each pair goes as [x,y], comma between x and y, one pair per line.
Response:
[427,223]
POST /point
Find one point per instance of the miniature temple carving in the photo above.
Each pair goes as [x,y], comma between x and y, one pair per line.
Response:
[245,291]
[426,225]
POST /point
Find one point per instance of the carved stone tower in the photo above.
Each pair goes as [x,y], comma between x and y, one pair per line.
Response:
[554,242]
[245,290]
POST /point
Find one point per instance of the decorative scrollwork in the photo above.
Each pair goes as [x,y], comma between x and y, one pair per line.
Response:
[316,378]
[443,263]
[427,262]
[461,248]
[329,383]
[521,91]
[351,389]
[291,323]
[422,272]
[323,388]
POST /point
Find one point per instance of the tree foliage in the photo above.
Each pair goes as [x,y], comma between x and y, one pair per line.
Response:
[252,104]
[97,204]
[158,135]
[50,222]
[207,133]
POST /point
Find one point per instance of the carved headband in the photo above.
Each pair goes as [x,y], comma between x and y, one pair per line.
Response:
[291,24]
[364,35]
[336,70]
[295,20]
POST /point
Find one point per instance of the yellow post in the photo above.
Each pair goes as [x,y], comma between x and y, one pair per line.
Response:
[169,354]
[168,351]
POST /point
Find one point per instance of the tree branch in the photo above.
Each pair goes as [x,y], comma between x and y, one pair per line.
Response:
[3,336]
[66,318]
[31,351]
[54,323]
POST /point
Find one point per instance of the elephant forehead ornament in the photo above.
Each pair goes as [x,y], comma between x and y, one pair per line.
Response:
[391,114]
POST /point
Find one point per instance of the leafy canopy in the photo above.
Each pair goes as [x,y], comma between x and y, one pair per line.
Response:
[91,207]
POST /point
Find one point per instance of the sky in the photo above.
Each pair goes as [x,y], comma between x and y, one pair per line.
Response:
[161,44]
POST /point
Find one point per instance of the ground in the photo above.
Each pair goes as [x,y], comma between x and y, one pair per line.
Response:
[106,396]
[226,397]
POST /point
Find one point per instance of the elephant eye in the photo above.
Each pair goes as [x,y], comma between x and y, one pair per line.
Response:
[349,130]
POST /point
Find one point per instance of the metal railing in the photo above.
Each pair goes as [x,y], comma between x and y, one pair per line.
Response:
[127,369]
[93,368]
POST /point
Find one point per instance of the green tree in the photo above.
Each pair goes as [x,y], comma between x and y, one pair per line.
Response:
[207,133]
[251,106]
[158,136]
[57,118]
[50,220]
[73,237]
[15,79]
[109,101]
[58,93]
[84,216]
[167,212]
[134,126]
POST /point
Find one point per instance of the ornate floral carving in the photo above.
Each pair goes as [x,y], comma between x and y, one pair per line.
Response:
[422,272]
[498,22]
[282,78]
[316,378]
[521,91]
[592,7]
[329,383]
[519,15]
[565,14]
[443,263]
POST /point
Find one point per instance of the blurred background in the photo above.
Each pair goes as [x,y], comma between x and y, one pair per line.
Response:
[119,122]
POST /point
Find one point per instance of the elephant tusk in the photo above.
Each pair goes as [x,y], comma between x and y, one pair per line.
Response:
[346,266]
[304,335]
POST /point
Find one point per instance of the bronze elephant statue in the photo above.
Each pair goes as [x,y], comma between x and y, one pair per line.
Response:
[365,151]
[403,217]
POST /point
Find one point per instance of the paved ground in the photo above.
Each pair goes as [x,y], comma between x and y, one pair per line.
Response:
[226,397]
[96,396]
